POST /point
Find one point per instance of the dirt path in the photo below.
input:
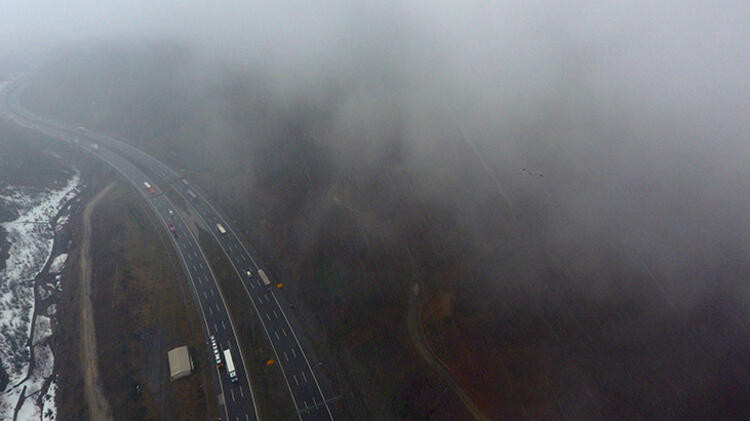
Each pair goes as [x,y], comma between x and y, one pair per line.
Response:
[424,349]
[98,407]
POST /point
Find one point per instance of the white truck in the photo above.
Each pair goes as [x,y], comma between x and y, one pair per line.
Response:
[230,365]
[221,228]
[264,277]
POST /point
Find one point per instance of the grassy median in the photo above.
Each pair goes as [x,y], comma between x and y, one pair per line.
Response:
[269,387]
[143,308]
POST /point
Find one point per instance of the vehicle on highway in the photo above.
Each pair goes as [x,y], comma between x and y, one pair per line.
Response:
[217,354]
[264,277]
[172,228]
[94,147]
[221,228]
[190,192]
[81,129]
[230,365]
[149,187]
[171,212]
[249,273]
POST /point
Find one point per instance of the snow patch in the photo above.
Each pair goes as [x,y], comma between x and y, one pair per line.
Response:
[30,237]
[58,263]
[42,329]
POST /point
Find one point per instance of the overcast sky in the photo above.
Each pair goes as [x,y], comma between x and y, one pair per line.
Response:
[610,91]
[500,65]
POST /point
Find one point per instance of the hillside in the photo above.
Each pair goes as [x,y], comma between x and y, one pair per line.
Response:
[544,290]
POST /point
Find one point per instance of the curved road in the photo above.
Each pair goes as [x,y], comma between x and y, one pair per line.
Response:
[302,378]
[238,400]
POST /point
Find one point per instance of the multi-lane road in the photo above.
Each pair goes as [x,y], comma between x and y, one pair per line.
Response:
[300,374]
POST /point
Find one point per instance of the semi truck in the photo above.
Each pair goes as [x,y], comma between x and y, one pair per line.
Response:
[230,365]
[221,228]
[264,277]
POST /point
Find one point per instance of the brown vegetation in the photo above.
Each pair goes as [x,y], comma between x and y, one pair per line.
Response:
[143,308]
[269,388]
[534,309]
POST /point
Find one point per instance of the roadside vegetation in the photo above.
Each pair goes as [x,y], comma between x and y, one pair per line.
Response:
[269,387]
[554,283]
[143,308]
[29,159]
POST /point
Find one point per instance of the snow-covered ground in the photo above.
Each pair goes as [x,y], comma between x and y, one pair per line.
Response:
[58,263]
[30,237]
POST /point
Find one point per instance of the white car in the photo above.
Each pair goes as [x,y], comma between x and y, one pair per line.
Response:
[171,212]
[249,273]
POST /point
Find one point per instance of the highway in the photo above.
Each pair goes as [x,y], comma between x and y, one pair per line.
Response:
[301,376]
[238,399]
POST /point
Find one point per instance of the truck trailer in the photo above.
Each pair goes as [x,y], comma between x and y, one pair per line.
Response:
[230,365]
[264,277]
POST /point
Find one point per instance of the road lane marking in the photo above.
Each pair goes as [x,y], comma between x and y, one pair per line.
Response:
[295,379]
[204,295]
[304,377]
[268,317]
[242,393]
[277,335]
[223,325]
[283,331]
[275,314]
[294,354]
[232,392]
[286,357]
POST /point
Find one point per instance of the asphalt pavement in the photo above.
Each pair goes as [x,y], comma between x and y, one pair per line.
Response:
[238,399]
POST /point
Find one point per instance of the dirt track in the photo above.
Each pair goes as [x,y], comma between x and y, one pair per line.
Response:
[98,407]
[429,356]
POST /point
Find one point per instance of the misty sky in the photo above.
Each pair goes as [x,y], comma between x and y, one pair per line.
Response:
[636,87]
